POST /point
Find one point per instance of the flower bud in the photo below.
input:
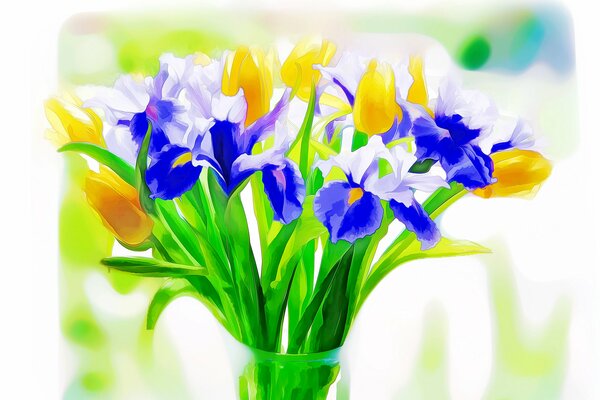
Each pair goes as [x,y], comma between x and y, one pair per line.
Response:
[519,173]
[118,205]
[375,106]
[298,70]
[72,123]
[251,70]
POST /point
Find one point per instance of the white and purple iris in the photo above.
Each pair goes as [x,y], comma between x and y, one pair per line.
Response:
[195,126]
[451,136]
[352,209]
[131,104]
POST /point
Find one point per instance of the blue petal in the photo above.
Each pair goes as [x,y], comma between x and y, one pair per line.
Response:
[427,138]
[347,92]
[501,146]
[285,190]
[344,220]
[138,127]
[263,126]
[416,220]
[467,165]
[167,181]
[224,135]
[459,132]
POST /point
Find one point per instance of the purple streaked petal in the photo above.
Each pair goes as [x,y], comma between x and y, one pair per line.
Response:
[416,220]
[166,178]
[265,125]
[467,165]
[345,218]
[285,190]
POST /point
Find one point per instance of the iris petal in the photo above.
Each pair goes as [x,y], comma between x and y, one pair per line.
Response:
[285,190]
[467,165]
[416,220]
[346,216]
[171,174]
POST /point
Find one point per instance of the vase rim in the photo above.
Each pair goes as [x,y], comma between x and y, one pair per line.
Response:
[327,355]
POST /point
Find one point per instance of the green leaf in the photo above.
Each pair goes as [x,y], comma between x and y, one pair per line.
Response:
[360,139]
[151,267]
[322,149]
[304,135]
[104,157]
[170,290]
[181,231]
[141,165]
[175,288]
[421,167]
[300,334]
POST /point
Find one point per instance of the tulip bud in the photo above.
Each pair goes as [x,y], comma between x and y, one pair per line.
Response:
[417,93]
[251,70]
[375,106]
[519,173]
[118,205]
[298,70]
[72,123]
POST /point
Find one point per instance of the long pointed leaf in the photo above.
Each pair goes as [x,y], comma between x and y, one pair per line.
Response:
[151,267]
[104,157]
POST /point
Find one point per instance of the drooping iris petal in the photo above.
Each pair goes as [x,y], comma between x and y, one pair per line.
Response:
[223,135]
[285,190]
[171,173]
[427,137]
[265,125]
[349,213]
[467,165]
[416,220]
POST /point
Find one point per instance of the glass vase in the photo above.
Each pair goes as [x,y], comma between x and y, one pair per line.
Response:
[263,375]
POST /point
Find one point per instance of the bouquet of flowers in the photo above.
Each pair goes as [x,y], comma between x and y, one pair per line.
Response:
[264,189]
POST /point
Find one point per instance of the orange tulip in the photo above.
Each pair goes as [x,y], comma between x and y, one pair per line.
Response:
[519,173]
[72,123]
[117,203]
[251,70]
[298,70]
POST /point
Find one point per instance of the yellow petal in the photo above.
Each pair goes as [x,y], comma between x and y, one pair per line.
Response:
[72,123]
[118,205]
[417,93]
[375,106]
[519,173]
[251,70]
[298,70]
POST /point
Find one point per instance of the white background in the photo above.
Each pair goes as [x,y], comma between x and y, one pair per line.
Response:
[30,181]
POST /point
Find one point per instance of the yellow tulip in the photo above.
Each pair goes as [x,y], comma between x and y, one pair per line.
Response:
[251,70]
[375,106]
[72,123]
[298,70]
[117,203]
[519,173]
[417,93]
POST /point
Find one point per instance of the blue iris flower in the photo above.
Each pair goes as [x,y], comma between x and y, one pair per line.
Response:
[452,135]
[352,209]
[219,140]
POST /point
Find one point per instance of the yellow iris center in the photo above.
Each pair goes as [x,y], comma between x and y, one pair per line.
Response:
[355,195]
[182,159]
